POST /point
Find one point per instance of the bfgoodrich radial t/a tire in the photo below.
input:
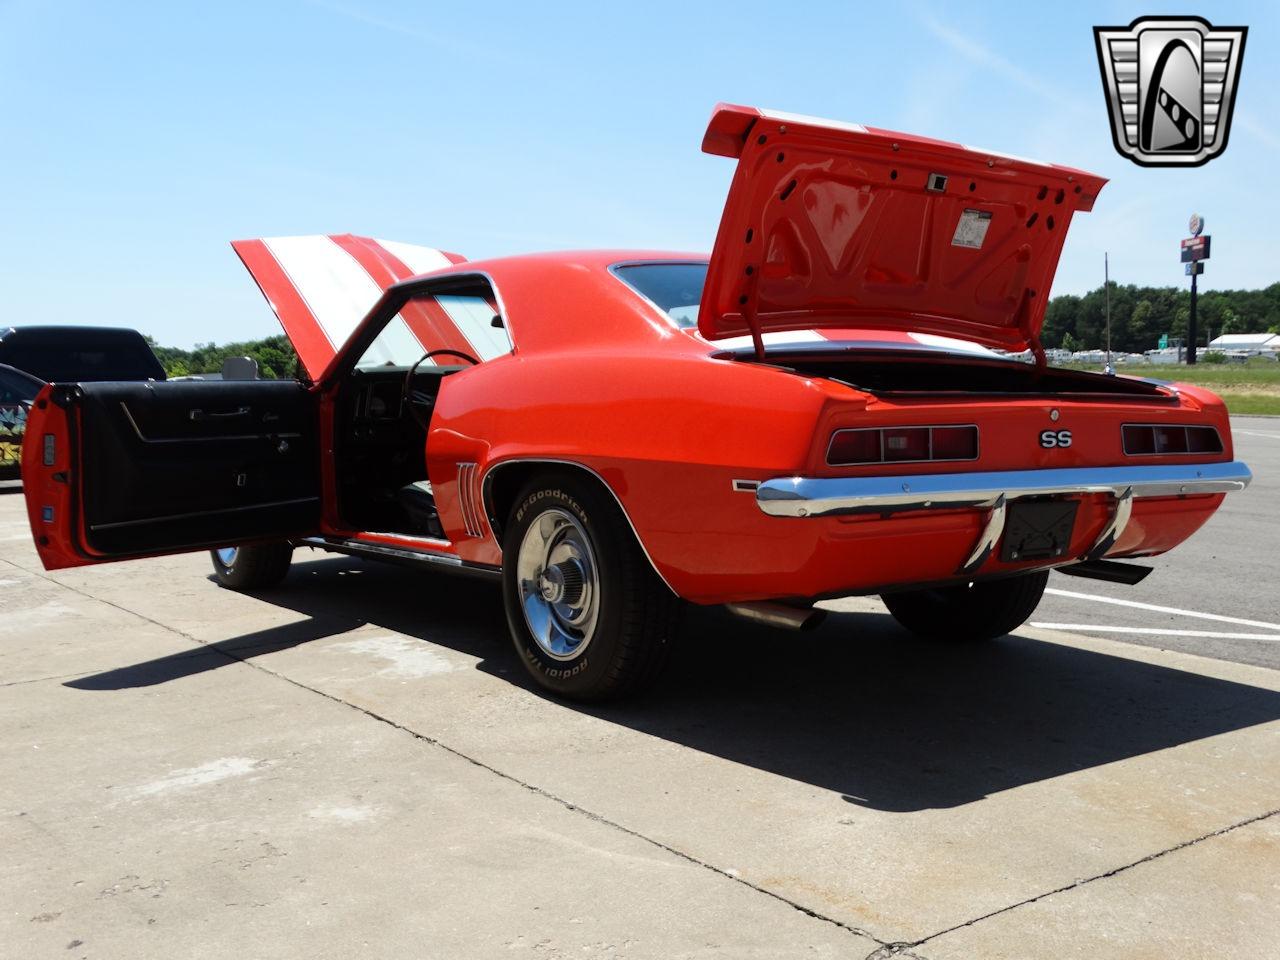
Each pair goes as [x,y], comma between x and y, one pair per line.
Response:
[589,617]
[253,567]
[969,612]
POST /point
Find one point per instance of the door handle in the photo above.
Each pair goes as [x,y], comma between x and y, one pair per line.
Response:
[199,414]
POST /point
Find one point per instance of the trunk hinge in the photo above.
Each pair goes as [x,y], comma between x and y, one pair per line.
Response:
[1037,351]
[1022,320]
[757,337]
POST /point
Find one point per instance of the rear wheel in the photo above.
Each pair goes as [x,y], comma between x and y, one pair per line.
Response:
[589,617]
[969,612]
[252,567]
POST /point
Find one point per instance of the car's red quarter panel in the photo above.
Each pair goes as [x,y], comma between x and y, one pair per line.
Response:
[668,433]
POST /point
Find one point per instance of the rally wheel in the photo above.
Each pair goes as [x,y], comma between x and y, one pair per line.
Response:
[589,617]
[971,611]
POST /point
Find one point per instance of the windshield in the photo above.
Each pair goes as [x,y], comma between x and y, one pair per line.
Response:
[674,288]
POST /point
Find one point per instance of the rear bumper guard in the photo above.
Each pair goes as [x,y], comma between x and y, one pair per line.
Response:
[992,491]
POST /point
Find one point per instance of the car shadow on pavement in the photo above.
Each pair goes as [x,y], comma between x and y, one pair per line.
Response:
[175,666]
[857,706]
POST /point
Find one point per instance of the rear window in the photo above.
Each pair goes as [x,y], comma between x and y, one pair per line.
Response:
[674,288]
[67,356]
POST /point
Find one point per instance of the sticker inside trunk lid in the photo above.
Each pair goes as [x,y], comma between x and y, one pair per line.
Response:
[972,229]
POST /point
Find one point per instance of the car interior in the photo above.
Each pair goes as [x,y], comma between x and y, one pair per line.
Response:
[384,407]
[380,450]
[185,464]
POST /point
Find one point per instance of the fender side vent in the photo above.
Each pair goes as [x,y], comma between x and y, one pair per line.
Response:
[469,499]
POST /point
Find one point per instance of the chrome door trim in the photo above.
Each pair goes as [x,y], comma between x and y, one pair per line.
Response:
[444,561]
[128,414]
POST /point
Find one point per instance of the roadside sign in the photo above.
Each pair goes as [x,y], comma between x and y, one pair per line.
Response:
[1195,248]
[1195,251]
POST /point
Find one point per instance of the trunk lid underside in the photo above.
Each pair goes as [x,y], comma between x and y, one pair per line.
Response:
[838,225]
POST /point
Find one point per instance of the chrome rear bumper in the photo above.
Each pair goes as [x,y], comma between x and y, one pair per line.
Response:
[828,496]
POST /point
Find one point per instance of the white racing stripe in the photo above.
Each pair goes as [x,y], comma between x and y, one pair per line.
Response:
[813,121]
[951,343]
[1155,632]
[339,292]
[1156,609]
[776,338]
[416,258]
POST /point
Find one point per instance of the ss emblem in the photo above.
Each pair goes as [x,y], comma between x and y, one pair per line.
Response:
[1055,438]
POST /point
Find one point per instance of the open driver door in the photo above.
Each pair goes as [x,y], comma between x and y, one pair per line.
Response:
[131,469]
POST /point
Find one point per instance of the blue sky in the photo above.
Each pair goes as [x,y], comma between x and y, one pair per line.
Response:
[137,139]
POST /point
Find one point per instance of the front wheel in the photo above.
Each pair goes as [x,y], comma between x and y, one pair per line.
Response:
[969,612]
[589,617]
[254,567]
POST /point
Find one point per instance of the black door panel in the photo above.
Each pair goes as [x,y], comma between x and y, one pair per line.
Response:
[165,466]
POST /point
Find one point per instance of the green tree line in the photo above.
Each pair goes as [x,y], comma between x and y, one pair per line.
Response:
[1139,315]
[275,356]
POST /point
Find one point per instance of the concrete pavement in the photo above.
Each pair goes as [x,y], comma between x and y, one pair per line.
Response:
[354,765]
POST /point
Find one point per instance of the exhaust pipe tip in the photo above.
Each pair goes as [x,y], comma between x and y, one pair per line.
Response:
[778,614]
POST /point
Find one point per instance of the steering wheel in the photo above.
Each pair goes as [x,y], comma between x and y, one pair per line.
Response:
[407,392]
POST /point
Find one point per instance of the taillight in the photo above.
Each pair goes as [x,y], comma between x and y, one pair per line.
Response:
[855,446]
[1158,440]
[906,443]
[902,445]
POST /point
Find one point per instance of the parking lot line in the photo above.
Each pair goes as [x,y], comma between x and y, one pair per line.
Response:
[1158,609]
[1158,631]
[1255,433]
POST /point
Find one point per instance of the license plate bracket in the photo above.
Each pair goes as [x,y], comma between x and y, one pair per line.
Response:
[1038,529]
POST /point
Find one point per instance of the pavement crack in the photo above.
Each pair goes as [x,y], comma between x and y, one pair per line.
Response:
[890,950]
[1084,881]
[61,676]
[896,949]
[572,807]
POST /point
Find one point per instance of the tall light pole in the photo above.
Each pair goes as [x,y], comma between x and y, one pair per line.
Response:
[1195,251]
[1106,286]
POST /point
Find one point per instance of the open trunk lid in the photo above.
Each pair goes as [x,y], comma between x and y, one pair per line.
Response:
[321,287]
[832,224]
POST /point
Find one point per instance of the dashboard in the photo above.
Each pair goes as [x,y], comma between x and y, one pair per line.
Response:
[375,403]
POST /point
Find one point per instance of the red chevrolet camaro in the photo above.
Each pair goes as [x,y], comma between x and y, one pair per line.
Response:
[812,411]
